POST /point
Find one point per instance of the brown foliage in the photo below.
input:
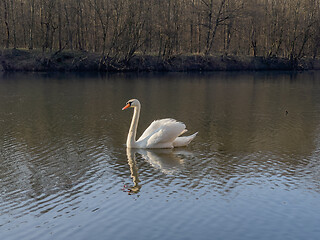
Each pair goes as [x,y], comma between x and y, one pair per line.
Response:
[119,29]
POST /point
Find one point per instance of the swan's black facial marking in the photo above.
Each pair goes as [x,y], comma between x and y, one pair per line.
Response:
[130,102]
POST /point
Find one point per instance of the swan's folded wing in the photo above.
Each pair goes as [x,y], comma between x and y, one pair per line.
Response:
[156,125]
[184,141]
[166,134]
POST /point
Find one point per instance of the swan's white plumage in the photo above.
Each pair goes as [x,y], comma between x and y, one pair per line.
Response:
[162,133]
[183,141]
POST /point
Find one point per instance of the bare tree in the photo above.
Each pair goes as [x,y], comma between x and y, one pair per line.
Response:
[6,7]
[119,29]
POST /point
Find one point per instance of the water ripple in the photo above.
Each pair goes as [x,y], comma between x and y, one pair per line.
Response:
[65,172]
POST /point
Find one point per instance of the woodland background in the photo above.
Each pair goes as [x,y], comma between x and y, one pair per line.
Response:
[122,28]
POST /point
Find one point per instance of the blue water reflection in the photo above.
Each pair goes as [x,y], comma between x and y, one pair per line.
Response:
[251,173]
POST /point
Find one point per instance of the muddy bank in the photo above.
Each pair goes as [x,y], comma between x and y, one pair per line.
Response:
[22,60]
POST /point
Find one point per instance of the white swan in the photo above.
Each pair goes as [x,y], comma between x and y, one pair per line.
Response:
[162,133]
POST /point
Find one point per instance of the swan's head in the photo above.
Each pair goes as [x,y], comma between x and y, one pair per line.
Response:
[131,103]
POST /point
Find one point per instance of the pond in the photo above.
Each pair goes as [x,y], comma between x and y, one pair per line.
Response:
[252,172]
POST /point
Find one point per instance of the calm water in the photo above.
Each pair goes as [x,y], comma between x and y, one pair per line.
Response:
[253,171]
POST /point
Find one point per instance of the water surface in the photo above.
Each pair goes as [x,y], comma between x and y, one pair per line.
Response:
[252,172]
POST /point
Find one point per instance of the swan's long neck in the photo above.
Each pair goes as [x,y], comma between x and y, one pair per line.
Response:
[131,140]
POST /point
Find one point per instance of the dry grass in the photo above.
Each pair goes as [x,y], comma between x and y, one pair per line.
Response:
[36,60]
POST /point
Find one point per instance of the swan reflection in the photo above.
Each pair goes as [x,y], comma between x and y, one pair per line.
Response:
[168,161]
[134,171]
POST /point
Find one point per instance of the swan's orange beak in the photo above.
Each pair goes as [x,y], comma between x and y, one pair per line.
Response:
[126,106]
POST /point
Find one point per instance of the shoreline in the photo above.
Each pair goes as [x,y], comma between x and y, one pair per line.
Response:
[14,60]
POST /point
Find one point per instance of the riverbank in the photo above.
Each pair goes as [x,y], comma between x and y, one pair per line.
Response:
[24,60]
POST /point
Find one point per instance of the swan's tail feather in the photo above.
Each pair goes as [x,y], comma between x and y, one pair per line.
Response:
[184,141]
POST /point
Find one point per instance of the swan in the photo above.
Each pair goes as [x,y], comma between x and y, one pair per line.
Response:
[164,133]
